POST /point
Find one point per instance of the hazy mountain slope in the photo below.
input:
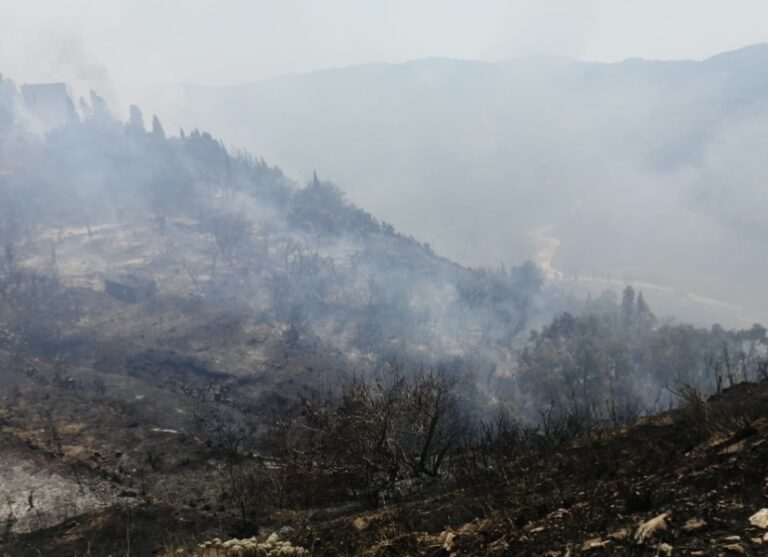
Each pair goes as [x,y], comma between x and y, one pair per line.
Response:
[634,163]
[154,289]
[308,271]
[193,345]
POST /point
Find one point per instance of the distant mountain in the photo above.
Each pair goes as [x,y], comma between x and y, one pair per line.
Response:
[651,171]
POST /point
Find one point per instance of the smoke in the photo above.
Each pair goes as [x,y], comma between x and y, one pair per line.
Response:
[641,172]
[71,58]
[647,171]
[60,56]
[235,236]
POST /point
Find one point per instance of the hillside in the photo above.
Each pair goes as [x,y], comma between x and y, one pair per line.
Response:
[194,346]
[492,151]
[688,482]
[162,301]
[683,483]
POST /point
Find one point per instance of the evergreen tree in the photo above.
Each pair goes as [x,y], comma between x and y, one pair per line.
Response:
[157,128]
[99,108]
[136,119]
[645,317]
[627,306]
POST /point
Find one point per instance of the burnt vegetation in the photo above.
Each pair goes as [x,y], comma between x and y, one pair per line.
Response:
[194,346]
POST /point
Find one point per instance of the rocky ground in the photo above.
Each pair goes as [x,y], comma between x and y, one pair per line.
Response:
[687,482]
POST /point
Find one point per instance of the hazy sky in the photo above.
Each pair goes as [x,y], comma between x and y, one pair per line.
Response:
[112,43]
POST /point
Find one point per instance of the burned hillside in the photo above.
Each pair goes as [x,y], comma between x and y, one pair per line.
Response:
[97,200]
[194,346]
[162,300]
[686,482]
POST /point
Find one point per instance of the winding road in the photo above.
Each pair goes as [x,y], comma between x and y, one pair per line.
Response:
[546,244]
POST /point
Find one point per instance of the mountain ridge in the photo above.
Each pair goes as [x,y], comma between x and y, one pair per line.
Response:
[761,48]
[528,143]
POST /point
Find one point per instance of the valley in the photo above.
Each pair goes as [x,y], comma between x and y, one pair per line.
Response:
[686,306]
[526,320]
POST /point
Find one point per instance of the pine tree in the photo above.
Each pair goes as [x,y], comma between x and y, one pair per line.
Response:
[157,128]
[136,119]
[627,306]
[645,317]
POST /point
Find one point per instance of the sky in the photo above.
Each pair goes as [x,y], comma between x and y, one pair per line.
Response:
[113,45]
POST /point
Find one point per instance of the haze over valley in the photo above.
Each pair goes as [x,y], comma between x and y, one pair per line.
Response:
[299,279]
[472,156]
